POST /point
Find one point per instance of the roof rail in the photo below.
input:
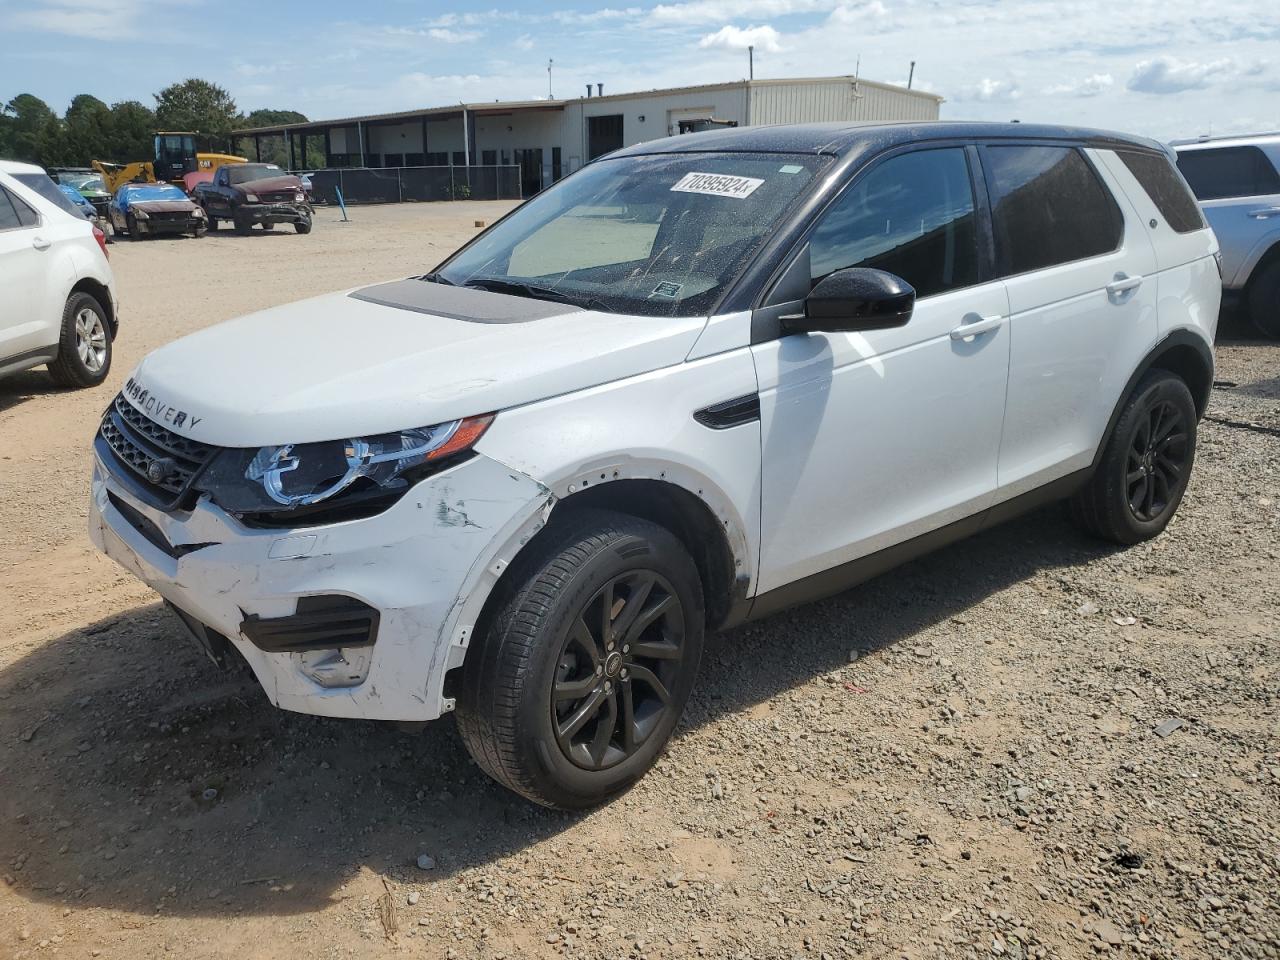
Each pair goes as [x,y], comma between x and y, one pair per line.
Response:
[1206,138]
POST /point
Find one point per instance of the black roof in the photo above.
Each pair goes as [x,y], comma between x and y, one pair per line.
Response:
[842,139]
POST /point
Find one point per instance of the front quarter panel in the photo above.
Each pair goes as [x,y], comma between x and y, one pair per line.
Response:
[643,428]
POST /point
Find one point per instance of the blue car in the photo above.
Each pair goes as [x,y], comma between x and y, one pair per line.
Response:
[148,209]
[76,197]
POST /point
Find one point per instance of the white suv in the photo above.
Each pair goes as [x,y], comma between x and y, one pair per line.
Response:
[699,381]
[59,296]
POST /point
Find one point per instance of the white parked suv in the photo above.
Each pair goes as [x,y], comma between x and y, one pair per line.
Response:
[59,296]
[700,380]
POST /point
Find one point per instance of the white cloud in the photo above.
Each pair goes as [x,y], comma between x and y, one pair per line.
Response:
[1089,86]
[1171,75]
[988,90]
[719,11]
[446,35]
[763,38]
[524,42]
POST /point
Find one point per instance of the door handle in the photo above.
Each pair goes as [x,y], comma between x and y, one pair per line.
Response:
[40,243]
[967,331]
[1123,283]
[1263,213]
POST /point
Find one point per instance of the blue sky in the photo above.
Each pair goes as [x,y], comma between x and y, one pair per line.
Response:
[1165,68]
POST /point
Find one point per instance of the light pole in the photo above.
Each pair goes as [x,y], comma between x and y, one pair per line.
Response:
[550,95]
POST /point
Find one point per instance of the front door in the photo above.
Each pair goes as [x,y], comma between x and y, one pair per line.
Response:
[870,439]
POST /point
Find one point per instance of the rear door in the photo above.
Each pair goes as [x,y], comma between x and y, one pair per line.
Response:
[23,252]
[1239,189]
[1076,261]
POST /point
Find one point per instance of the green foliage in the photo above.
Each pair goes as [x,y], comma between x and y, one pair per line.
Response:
[125,131]
[198,106]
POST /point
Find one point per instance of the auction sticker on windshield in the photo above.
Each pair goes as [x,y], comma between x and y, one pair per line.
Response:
[717,185]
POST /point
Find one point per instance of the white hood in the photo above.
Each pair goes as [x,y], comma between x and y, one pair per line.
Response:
[336,367]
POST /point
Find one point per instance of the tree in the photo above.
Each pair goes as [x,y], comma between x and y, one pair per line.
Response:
[31,131]
[133,128]
[271,118]
[87,130]
[199,106]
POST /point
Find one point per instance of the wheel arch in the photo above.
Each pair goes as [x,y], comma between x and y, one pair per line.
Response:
[1264,253]
[1183,352]
[98,290]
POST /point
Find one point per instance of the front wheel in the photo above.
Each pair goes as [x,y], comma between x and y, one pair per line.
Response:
[1145,465]
[579,674]
[302,226]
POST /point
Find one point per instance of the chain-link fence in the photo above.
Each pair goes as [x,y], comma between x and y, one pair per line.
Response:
[396,184]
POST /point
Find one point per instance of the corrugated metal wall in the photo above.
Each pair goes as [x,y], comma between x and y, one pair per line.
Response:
[836,100]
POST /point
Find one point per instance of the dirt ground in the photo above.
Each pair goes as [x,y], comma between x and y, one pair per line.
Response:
[955,760]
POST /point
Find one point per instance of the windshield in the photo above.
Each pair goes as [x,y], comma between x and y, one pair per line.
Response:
[658,235]
[244,172]
[43,184]
[151,191]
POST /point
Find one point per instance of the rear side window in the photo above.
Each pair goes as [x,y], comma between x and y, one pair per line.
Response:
[14,212]
[1221,172]
[8,216]
[1165,188]
[912,216]
[1048,207]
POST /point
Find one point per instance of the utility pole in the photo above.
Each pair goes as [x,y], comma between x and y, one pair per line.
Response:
[550,95]
[751,62]
[911,75]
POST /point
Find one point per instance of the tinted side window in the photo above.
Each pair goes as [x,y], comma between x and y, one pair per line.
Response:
[1048,207]
[1166,190]
[8,216]
[912,215]
[26,216]
[1229,172]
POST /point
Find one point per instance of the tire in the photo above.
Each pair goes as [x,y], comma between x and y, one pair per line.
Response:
[211,222]
[302,226]
[1145,465]
[243,226]
[131,225]
[1264,300]
[199,232]
[268,226]
[531,646]
[84,347]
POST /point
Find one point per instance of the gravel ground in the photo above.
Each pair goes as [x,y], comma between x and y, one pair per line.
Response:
[958,759]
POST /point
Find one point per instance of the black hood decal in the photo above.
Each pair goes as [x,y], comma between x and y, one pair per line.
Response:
[461,303]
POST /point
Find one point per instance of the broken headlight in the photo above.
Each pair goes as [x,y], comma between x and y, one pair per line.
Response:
[292,477]
[303,474]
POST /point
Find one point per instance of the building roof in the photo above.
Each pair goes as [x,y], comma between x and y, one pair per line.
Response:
[1234,140]
[858,136]
[510,106]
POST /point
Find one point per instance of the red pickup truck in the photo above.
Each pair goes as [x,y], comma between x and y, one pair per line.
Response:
[249,193]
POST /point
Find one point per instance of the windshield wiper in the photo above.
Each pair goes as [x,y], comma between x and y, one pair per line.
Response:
[533,291]
[437,278]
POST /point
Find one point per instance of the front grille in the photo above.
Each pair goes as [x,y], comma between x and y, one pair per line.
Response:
[281,197]
[137,442]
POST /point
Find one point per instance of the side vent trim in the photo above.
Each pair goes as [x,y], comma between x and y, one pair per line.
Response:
[730,413]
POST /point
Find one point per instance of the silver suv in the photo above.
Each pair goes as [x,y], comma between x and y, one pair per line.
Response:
[1237,181]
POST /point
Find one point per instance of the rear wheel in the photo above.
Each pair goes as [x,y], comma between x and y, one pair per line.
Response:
[1145,465]
[243,225]
[211,220]
[84,348]
[579,676]
[1264,300]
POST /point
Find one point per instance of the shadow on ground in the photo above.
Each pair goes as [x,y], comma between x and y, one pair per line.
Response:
[18,388]
[135,776]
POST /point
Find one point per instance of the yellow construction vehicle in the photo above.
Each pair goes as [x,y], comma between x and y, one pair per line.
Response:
[175,160]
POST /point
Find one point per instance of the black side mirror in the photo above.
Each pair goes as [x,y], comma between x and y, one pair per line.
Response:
[858,298]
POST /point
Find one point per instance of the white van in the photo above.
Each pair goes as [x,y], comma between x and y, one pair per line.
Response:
[701,380]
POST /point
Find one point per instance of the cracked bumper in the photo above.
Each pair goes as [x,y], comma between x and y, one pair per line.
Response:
[425,565]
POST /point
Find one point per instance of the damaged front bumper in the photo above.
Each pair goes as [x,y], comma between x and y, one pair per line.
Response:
[275,212]
[361,618]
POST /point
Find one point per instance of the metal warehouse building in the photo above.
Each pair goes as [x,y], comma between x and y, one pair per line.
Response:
[512,149]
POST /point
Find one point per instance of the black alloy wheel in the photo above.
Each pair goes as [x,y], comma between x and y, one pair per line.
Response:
[1157,461]
[1144,465]
[616,670]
